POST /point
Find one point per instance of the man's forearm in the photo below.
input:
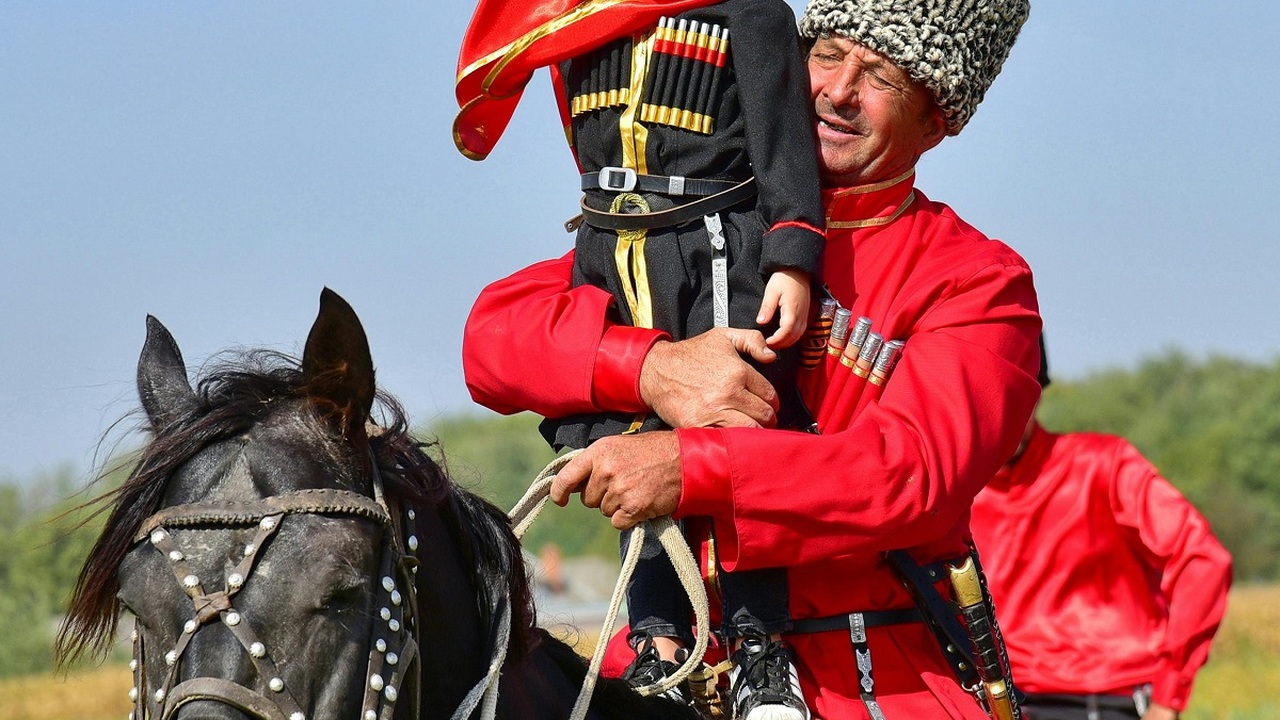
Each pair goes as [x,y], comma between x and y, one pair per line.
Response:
[533,342]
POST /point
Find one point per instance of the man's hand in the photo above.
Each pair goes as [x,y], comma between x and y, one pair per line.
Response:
[631,478]
[704,382]
[1160,712]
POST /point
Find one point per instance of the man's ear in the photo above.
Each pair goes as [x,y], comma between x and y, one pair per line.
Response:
[936,129]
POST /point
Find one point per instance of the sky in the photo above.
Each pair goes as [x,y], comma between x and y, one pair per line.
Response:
[215,164]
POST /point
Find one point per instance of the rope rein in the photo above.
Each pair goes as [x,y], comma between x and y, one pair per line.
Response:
[527,510]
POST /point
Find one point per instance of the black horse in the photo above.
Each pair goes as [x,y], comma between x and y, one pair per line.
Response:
[287,559]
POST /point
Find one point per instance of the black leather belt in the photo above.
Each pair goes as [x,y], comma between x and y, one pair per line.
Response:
[872,618]
[1093,701]
[671,217]
[856,624]
[619,179]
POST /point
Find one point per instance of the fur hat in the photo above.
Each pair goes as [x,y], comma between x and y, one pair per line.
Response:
[955,48]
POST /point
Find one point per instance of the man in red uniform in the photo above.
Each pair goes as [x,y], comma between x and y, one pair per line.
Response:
[887,85]
[1109,584]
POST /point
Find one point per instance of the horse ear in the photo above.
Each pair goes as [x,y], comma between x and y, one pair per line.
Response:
[337,366]
[163,387]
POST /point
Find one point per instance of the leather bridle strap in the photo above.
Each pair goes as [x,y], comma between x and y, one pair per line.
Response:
[218,605]
[395,649]
[398,611]
[268,514]
[226,692]
[320,501]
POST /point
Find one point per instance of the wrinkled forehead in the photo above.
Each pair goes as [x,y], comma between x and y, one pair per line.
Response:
[845,47]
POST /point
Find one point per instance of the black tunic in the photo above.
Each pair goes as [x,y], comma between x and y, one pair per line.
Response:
[747,116]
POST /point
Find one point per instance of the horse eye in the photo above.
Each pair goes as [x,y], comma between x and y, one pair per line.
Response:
[344,596]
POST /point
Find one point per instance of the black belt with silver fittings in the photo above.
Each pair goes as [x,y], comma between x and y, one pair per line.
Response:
[620,179]
[856,625]
[871,618]
[733,194]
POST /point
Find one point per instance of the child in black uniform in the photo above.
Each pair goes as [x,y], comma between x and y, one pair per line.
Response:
[701,208]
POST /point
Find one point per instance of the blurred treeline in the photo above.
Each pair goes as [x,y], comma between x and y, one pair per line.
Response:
[1212,427]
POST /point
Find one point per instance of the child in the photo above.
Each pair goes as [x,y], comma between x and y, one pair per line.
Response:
[701,208]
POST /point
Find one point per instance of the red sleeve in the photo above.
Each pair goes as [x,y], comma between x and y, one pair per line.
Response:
[532,342]
[1195,570]
[905,472]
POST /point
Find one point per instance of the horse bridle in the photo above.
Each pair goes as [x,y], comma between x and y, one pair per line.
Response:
[394,643]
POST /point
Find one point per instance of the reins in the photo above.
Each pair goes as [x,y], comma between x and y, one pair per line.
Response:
[527,510]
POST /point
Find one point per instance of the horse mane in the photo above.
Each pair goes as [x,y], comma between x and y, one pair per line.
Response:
[233,394]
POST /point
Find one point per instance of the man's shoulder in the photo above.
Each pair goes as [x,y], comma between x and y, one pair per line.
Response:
[1091,437]
[1087,445]
[961,245]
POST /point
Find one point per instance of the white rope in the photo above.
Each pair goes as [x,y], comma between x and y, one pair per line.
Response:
[526,511]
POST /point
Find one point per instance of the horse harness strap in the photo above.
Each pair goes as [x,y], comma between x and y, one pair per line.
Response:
[392,653]
[210,688]
[391,656]
[218,605]
[313,501]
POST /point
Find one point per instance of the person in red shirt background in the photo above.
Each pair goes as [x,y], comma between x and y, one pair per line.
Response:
[887,84]
[1108,584]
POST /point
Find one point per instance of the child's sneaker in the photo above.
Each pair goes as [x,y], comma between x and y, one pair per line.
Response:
[764,684]
[650,669]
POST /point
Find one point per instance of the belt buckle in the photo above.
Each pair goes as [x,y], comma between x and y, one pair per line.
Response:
[617,179]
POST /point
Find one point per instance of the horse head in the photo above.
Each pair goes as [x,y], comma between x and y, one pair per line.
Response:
[268,539]
[286,557]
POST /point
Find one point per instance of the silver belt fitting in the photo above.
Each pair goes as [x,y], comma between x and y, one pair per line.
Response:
[625,179]
[617,179]
[719,270]
[862,655]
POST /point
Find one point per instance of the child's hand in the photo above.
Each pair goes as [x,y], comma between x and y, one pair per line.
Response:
[786,292]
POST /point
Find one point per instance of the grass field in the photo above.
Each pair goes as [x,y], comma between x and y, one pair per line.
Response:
[1241,681]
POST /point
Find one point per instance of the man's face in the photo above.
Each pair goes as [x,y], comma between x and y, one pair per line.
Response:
[873,120]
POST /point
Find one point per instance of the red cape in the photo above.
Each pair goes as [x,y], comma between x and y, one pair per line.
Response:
[508,39]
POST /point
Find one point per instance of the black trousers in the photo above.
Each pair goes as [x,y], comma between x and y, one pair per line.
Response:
[1079,707]
[657,602]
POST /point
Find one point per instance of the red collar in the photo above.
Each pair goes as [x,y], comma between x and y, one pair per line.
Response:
[869,205]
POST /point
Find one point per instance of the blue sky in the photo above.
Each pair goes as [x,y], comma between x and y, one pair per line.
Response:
[216,163]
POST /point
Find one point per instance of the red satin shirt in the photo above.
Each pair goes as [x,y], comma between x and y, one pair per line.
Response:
[902,474]
[1103,575]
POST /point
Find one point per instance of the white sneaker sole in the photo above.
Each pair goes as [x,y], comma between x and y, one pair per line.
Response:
[776,712]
